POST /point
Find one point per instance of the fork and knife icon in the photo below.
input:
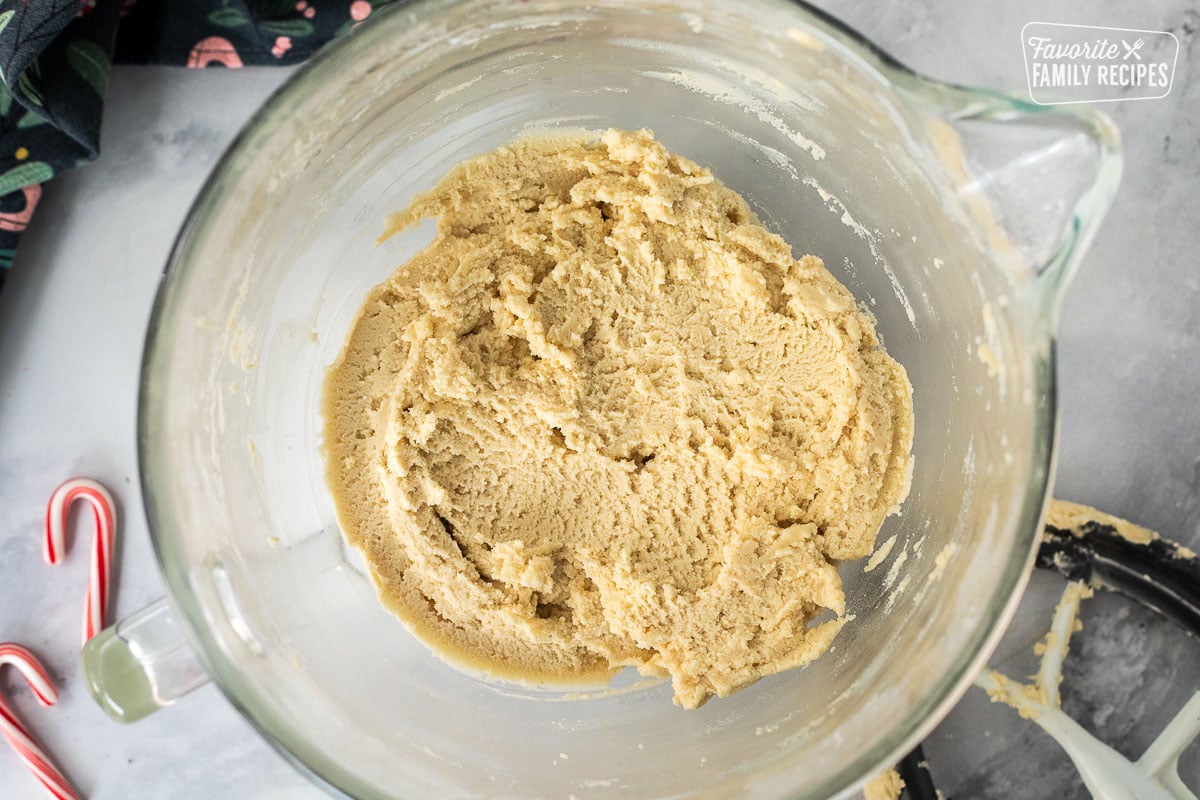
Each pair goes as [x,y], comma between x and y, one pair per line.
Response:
[1132,49]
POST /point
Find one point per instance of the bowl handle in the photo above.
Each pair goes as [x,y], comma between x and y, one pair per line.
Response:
[141,664]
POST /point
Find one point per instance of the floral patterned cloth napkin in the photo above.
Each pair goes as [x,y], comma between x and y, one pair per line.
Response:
[55,58]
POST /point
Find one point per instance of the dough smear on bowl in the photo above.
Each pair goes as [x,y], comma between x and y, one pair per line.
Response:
[606,419]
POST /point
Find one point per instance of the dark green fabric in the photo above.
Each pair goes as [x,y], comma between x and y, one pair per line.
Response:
[56,55]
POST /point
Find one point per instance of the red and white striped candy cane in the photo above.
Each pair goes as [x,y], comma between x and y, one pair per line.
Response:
[96,602]
[17,734]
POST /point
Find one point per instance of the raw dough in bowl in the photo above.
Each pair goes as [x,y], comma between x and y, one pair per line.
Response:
[606,419]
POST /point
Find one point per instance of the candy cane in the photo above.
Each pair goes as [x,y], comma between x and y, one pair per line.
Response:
[96,602]
[17,734]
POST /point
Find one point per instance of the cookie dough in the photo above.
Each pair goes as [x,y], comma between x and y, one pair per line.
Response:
[887,785]
[1077,518]
[606,419]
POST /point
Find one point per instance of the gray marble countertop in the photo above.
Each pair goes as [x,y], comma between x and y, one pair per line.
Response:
[75,309]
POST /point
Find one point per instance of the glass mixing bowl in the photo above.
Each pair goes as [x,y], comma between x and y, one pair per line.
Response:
[953,215]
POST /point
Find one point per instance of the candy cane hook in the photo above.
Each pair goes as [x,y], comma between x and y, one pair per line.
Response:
[18,735]
[99,579]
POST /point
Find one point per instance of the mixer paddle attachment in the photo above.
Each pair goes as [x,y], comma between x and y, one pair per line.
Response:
[1093,550]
